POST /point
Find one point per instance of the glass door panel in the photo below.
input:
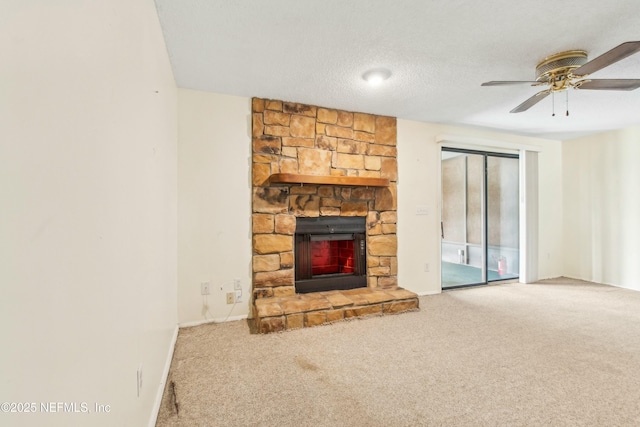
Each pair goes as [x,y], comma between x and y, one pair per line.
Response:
[503,226]
[462,219]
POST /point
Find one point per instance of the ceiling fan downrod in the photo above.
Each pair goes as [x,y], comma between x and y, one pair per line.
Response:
[553,103]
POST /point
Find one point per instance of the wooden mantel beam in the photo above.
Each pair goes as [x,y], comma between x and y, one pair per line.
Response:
[355,181]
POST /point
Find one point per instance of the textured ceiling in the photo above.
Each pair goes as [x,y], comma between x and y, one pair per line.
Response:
[439,52]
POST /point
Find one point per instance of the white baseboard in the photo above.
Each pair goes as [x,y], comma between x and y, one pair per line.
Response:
[422,294]
[167,365]
[163,382]
[216,320]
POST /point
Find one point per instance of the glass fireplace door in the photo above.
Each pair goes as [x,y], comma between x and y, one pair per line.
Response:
[330,254]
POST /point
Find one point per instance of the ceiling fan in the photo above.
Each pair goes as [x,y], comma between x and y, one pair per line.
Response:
[570,69]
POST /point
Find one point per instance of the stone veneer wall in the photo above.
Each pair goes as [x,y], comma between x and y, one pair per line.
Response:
[309,140]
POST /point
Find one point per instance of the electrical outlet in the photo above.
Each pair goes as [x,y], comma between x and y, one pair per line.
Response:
[204,288]
[236,284]
[239,295]
[426,267]
[231,296]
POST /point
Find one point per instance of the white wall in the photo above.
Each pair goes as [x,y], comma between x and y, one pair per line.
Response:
[602,207]
[214,204]
[419,235]
[551,250]
[88,227]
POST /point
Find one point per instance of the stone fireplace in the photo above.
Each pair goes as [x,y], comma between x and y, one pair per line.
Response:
[321,165]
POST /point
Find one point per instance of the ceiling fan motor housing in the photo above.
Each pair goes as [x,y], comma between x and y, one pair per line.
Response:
[559,65]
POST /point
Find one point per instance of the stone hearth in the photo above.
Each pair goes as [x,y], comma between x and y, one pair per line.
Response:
[305,140]
[304,310]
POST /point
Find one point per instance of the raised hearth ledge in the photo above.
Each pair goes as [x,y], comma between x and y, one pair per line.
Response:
[353,181]
[277,314]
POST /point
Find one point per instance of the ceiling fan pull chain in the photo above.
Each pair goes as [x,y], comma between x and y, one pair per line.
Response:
[567,92]
[553,104]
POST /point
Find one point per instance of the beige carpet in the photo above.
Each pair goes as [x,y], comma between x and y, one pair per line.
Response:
[559,352]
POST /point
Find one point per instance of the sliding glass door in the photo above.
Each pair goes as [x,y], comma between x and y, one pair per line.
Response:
[480,218]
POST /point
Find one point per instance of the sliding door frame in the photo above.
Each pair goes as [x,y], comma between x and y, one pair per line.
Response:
[484,211]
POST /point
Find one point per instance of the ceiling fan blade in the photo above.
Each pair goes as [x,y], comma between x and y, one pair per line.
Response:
[507,82]
[610,84]
[608,58]
[531,101]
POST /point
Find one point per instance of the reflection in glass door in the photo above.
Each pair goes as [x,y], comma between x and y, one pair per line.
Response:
[462,219]
[503,225]
[480,218]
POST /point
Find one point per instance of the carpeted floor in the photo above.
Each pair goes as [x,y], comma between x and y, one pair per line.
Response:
[559,352]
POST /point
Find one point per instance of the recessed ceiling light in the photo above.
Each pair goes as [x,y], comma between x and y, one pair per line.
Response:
[376,76]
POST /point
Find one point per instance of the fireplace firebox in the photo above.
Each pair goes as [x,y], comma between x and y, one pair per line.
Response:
[330,254]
